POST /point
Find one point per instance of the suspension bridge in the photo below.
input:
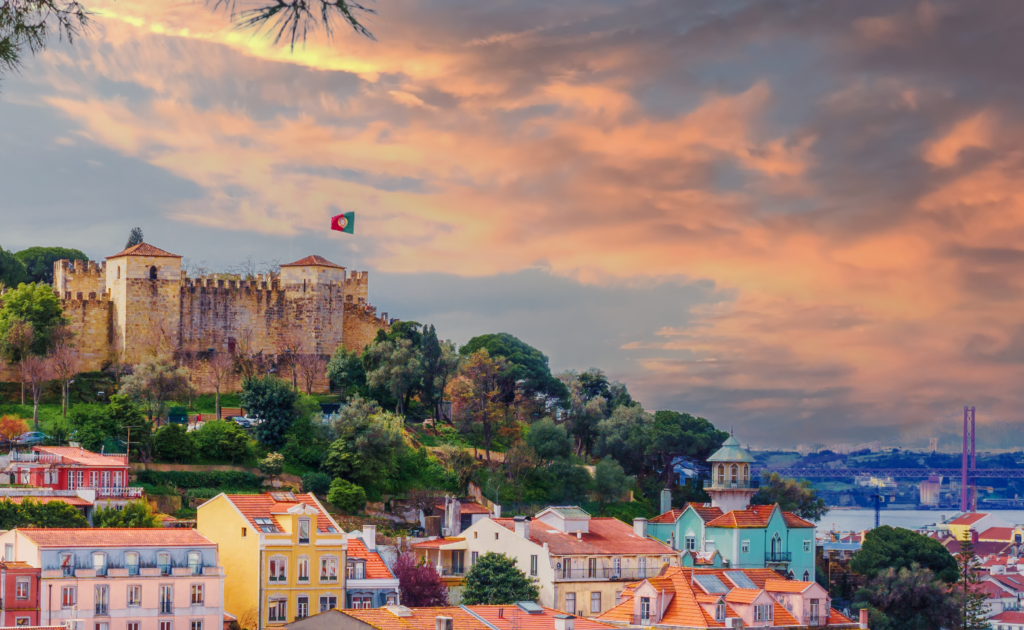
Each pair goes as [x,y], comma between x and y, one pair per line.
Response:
[968,472]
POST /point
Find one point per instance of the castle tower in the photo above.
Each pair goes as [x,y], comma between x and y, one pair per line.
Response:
[316,288]
[731,483]
[144,285]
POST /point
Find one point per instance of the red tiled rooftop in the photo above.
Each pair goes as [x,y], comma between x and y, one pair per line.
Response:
[757,516]
[375,567]
[116,537]
[75,501]
[82,457]
[437,543]
[466,507]
[313,261]
[420,619]
[742,595]
[606,536]
[253,506]
[668,517]
[145,249]
[1001,534]
[1009,616]
[968,519]
[511,617]
[786,586]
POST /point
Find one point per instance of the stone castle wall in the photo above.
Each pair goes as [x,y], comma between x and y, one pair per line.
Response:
[362,324]
[79,276]
[90,321]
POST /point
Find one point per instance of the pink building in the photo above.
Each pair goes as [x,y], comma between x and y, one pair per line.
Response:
[19,584]
[123,579]
[74,468]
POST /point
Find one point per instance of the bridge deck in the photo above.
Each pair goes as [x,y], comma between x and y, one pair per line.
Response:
[833,473]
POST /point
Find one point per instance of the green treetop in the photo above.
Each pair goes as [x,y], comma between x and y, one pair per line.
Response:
[886,547]
[798,497]
[39,261]
[495,579]
[36,304]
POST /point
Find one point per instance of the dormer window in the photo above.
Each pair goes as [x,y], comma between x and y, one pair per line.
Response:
[195,562]
[131,562]
[99,562]
[303,531]
[720,611]
[163,561]
[265,525]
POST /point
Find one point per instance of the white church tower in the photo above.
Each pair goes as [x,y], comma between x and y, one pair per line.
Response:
[731,483]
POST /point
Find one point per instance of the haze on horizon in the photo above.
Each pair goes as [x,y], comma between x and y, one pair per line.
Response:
[801,220]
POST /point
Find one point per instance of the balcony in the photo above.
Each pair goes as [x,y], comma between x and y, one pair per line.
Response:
[608,573]
[196,569]
[813,619]
[747,484]
[34,457]
[165,569]
[451,571]
[117,492]
[778,556]
[166,608]
[102,610]
[645,620]
[133,569]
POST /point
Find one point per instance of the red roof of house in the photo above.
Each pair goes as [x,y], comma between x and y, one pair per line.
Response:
[742,595]
[992,590]
[606,536]
[375,567]
[668,517]
[999,561]
[436,543]
[1013,582]
[313,261]
[983,548]
[75,501]
[786,586]
[1001,534]
[116,537]
[705,511]
[144,249]
[511,617]
[757,516]
[419,618]
[466,507]
[968,519]
[82,457]
[253,506]
[1009,616]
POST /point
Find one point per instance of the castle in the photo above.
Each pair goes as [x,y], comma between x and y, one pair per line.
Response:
[140,298]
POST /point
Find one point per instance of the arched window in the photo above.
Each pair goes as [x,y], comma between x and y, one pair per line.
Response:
[776,544]
[746,473]
[734,474]
[721,474]
[152,272]
[807,576]
[119,272]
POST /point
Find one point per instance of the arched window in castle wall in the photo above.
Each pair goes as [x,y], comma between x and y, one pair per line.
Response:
[152,272]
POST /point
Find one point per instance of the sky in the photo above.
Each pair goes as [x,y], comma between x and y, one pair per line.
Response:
[801,220]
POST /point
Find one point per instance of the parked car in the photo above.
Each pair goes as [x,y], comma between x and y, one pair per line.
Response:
[31,438]
[242,421]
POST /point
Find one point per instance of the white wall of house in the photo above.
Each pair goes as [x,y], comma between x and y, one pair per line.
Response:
[485,535]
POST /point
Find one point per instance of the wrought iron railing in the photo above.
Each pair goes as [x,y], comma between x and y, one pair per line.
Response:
[133,569]
[451,571]
[116,492]
[166,607]
[608,573]
[778,556]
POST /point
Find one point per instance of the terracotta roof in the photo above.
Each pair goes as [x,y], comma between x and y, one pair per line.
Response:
[375,567]
[607,536]
[794,521]
[512,617]
[144,249]
[787,586]
[464,618]
[991,590]
[419,619]
[313,261]
[15,564]
[702,557]
[705,511]
[1001,534]
[742,595]
[968,519]
[253,506]
[75,501]
[757,516]
[668,517]
[466,507]
[1009,616]
[437,543]
[835,617]
[785,618]
[82,457]
[982,548]
[116,537]
[1015,583]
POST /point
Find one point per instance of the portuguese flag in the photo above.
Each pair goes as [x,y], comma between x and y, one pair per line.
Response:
[344,222]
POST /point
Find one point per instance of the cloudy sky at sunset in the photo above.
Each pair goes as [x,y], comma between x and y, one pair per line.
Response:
[804,220]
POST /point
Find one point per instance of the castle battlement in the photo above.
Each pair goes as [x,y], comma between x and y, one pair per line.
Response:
[80,297]
[82,266]
[205,283]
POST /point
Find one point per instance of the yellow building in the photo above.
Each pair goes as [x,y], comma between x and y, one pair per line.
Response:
[285,558]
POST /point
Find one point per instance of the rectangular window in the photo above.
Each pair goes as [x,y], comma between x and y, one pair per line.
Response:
[691,543]
[105,479]
[641,565]
[22,621]
[101,626]
[67,564]
[745,546]
[304,531]
[166,599]
[166,625]
[362,601]
[570,603]
[195,562]
[131,561]
[102,601]
[244,532]
[474,556]
[99,562]
[197,594]
[595,602]
[9,552]
[278,610]
[303,575]
[94,479]
[328,569]
[196,624]
[21,588]
[328,602]
[618,597]
[807,546]
[67,597]
[720,611]
[134,594]
[117,478]
[533,566]
[591,567]
[302,610]
[356,570]
[133,625]
[163,560]
[278,570]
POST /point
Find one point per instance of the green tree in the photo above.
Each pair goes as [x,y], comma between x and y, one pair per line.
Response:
[394,365]
[908,599]
[570,482]
[308,439]
[38,305]
[12,270]
[135,237]
[154,383]
[440,363]
[971,602]
[51,514]
[345,370]
[39,261]
[272,401]
[316,483]
[480,395]
[611,481]
[677,434]
[792,495]
[346,496]
[898,548]
[549,440]
[173,443]
[99,426]
[133,514]
[367,450]
[626,437]
[582,412]
[528,364]
[496,580]
[223,440]
[272,465]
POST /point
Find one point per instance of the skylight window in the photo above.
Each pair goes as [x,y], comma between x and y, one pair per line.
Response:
[265,525]
[283,497]
[711,584]
[740,579]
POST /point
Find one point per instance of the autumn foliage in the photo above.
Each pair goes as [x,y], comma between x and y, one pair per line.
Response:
[11,427]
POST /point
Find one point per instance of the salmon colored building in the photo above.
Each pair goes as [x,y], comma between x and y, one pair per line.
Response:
[122,579]
[19,584]
[74,468]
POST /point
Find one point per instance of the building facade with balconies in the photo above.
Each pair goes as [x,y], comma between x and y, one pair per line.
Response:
[581,563]
[123,579]
[68,468]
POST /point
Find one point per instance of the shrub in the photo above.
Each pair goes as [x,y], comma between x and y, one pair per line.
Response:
[272,465]
[134,514]
[346,496]
[223,440]
[201,479]
[173,442]
[316,482]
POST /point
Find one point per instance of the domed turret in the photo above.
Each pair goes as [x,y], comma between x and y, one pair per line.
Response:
[731,482]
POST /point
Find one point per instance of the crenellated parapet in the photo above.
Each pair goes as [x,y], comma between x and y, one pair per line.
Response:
[209,284]
[79,276]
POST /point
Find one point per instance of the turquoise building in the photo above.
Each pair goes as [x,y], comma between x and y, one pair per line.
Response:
[730,532]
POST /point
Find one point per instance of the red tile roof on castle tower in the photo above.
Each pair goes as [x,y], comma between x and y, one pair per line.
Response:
[144,249]
[313,261]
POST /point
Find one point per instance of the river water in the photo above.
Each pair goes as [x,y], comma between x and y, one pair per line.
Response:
[856,520]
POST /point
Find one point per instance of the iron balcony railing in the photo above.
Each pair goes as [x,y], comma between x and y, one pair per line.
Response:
[451,571]
[67,571]
[166,608]
[165,569]
[748,484]
[102,609]
[648,620]
[608,573]
[778,556]
[116,492]
[133,569]
[815,619]
[101,570]
[197,569]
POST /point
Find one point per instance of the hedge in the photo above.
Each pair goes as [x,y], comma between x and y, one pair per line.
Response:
[201,479]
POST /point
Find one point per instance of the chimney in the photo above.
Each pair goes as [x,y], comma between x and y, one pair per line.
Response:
[565,622]
[666,500]
[370,537]
[522,527]
[443,623]
[640,527]
[974,535]
[863,619]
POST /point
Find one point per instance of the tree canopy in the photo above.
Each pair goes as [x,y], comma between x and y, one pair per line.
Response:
[798,497]
[12,270]
[526,363]
[37,305]
[39,261]
[898,548]
[272,401]
[908,598]
[495,579]
[419,584]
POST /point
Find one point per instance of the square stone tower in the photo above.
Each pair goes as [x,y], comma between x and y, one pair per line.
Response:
[144,284]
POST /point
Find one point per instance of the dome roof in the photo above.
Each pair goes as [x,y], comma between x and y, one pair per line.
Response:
[731,451]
